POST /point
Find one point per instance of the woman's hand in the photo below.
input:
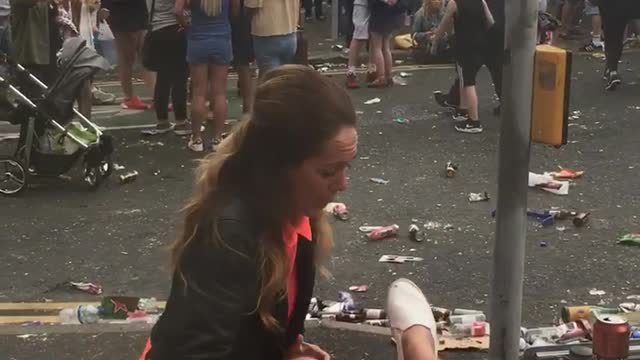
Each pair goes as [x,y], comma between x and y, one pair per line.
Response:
[179,11]
[301,350]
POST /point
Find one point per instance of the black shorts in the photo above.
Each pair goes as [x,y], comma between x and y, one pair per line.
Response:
[468,67]
[242,40]
[128,18]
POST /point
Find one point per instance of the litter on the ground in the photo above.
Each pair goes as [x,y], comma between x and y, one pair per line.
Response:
[118,167]
[402,121]
[379,181]
[87,287]
[398,259]
[128,177]
[596,292]
[630,239]
[415,234]
[339,210]
[564,174]
[373,101]
[368,229]
[398,80]
[359,288]
[405,74]
[383,232]
[450,169]
[432,225]
[477,197]
[548,183]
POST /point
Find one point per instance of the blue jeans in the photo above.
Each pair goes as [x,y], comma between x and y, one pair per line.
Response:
[273,51]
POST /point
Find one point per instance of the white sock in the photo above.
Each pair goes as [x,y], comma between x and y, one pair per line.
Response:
[596,40]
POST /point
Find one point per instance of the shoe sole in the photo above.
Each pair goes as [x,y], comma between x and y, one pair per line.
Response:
[182,132]
[612,86]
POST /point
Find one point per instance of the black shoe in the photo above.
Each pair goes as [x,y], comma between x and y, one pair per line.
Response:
[460,115]
[613,81]
[443,100]
[469,127]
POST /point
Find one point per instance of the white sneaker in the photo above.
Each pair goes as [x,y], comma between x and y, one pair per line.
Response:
[406,307]
[195,146]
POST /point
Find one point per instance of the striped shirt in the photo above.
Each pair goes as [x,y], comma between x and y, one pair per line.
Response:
[274,17]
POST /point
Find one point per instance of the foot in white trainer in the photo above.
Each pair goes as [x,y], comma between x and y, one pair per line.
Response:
[408,307]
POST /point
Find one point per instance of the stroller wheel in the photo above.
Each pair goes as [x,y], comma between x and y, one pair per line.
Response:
[13,176]
[93,177]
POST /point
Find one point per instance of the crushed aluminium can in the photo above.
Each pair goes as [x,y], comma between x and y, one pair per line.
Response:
[128,177]
[383,233]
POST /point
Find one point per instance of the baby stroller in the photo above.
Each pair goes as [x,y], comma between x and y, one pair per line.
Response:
[50,144]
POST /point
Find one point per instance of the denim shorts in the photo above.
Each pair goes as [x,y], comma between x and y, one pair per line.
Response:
[274,51]
[590,9]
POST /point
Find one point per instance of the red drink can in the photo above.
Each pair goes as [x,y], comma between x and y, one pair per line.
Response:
[611,338]
[384,232]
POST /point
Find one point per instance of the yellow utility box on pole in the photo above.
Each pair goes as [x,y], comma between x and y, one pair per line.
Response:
[551,90]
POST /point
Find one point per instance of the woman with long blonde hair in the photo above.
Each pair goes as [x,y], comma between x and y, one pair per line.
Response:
[209,55]
[254,231]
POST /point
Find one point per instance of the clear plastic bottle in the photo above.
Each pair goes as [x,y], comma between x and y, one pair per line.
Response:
[83,314]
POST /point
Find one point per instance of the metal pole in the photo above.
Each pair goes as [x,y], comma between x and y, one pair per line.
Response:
[513,169]
[335,18]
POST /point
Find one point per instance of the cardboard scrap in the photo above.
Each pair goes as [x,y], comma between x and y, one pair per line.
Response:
[466,343]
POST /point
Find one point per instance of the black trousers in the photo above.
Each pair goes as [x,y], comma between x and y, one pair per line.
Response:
[309,5]
[173,72]
[616,14]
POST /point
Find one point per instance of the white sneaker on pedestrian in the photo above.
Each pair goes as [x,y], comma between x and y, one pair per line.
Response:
[195,145]
[406,307]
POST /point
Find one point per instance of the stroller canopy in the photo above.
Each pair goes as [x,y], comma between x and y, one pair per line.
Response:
[76,63]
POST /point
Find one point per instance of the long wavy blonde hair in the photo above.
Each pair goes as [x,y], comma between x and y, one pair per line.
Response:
[296,112]
[211,7]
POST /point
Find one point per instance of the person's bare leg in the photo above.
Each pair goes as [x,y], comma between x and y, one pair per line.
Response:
[354,54]
[245,82]
[218,97]
[149,77]
[388,58]
[417,344]
[126,47]
[199,84]
[469,101]
[85,100]
[378,57]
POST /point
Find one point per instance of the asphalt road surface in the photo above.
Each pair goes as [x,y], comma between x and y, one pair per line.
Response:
[117,236]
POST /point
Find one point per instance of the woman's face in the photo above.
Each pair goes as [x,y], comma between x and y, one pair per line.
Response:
[318,179]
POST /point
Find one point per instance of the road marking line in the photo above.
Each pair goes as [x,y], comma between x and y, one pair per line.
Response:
[54,305]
